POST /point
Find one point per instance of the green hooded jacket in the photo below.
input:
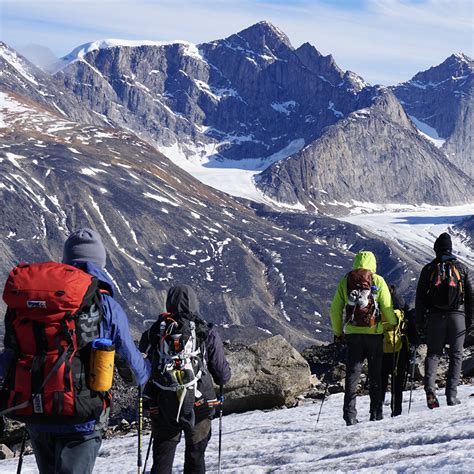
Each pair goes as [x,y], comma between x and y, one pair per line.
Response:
[367,261]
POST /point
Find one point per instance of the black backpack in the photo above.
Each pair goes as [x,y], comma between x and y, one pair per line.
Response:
[180,381]
[446,289]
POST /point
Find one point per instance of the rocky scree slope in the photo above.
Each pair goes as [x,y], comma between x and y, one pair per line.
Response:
[374,155]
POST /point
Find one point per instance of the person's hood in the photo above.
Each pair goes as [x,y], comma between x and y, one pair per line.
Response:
[365,260]
[106,282]
[182,299]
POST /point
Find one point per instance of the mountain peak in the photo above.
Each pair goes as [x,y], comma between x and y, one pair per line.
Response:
[461,58]
[263,35]
[455,67]
[266,27]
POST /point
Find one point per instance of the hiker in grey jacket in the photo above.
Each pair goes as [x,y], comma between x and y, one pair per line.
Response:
[444,307]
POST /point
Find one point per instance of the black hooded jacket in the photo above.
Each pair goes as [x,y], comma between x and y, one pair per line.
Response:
[182,304]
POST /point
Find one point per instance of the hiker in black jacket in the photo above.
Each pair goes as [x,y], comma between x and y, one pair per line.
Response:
[444,307]
[190,409]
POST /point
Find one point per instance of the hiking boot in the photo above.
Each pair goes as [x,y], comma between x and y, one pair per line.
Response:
[453,401]
[432,400]
[377,416]
[351,421]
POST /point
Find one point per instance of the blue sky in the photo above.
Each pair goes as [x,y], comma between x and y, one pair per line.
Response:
[385,41]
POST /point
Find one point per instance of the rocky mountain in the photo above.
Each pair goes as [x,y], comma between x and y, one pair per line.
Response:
[253,95]
[374,155]
[18,75]
[442,98]
[247,96]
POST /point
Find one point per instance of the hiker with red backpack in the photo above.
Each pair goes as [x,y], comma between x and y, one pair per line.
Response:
[361,305]
[62,330]
[444,309]
[187,355]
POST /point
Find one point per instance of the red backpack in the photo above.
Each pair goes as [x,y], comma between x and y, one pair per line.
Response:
[361,309]
[54,312]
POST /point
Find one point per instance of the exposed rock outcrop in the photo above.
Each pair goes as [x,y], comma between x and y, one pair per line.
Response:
[267,374]
[375,155]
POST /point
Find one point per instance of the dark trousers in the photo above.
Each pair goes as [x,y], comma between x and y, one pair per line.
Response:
[395,365]
[65,453]
[442,328]
[166,440]
[359,348]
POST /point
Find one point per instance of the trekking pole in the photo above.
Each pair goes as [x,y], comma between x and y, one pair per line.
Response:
[22,451]
[322,401]
[221,409]
[392,381]
[140,426]
[147,453]
[412,375]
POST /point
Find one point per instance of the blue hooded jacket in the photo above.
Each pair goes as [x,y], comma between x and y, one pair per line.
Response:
[114,326]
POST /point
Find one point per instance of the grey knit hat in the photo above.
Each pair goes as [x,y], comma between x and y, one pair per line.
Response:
[84,245]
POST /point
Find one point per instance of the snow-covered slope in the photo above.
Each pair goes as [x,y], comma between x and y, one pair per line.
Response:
[416,230]
[289,440]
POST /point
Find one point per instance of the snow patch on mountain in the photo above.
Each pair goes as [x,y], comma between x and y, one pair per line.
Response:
[337,113]
[234,177]
[9,105]
[284,107]
[17,63]
[428,132]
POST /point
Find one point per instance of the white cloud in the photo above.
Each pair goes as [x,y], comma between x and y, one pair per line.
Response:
[387,41]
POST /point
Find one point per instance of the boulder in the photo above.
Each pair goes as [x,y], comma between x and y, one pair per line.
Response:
[5,452]
[267,374]
[468,365]
[11,432]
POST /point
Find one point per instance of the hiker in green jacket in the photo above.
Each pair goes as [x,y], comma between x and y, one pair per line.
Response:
[361,305]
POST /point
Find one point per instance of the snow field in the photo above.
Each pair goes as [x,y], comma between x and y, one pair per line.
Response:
[416,230]
[289,440]
[234,177]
